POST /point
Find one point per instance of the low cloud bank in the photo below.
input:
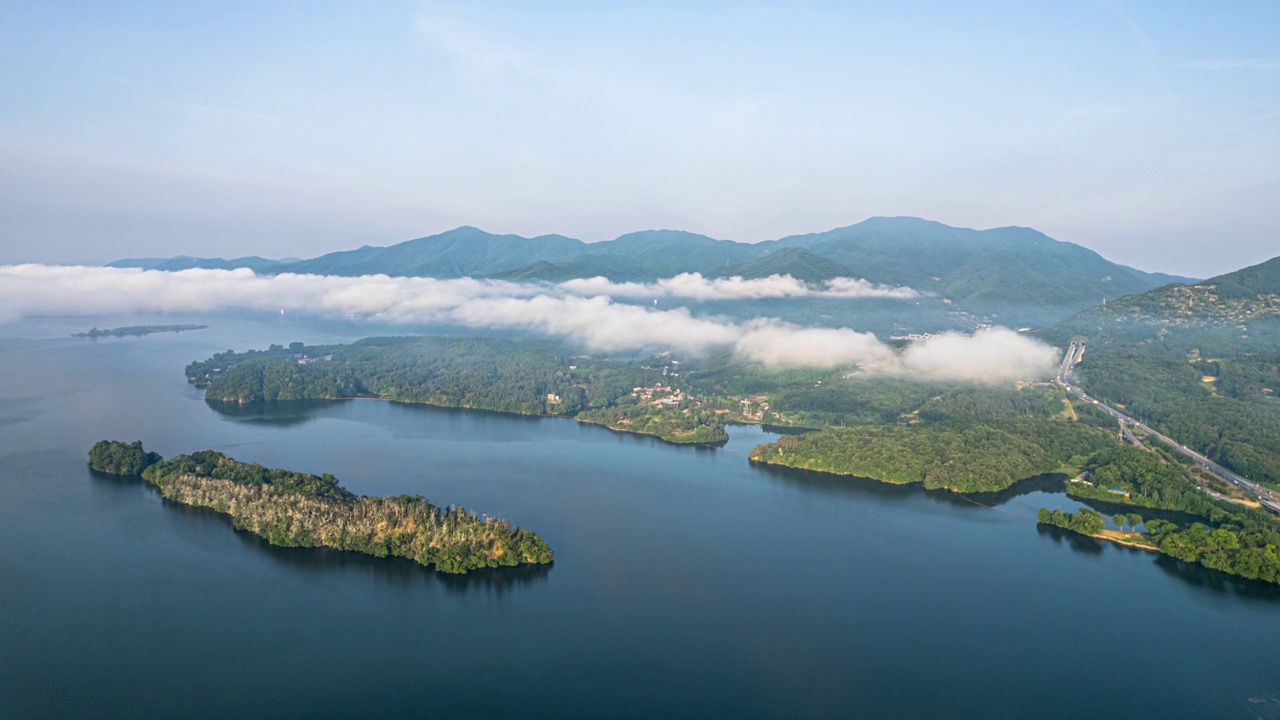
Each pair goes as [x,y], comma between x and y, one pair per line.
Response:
[579,312]
[693,286]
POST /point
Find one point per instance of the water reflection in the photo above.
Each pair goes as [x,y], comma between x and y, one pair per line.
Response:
[1109,508]
[389,571]
[395,572]
[1077,542]
[276,414]
[851,484]
[1205,578]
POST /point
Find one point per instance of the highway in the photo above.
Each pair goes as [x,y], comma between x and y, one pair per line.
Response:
[1073,355]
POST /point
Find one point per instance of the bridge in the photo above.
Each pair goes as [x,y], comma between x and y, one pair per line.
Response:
[1073,355]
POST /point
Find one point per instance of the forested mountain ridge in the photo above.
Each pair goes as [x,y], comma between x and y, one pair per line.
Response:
[1199,362]
[986,269]
[985,266]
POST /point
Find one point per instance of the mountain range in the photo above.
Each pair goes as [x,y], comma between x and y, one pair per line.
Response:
[983,270]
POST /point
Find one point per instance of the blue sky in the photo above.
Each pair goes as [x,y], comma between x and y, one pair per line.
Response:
[1149,132]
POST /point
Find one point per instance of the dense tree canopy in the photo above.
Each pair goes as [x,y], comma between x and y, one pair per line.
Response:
[294,509]
[120,458]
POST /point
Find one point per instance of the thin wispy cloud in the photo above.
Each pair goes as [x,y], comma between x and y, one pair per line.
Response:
[474,49]
[1248,64]
[598,322]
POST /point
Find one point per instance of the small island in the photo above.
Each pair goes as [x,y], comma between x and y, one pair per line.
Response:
[292,509]
[137,330]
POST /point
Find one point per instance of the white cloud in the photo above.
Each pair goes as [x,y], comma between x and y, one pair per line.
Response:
[1248,64]
[575,311]
[693,286]
[779,344]
[992,355]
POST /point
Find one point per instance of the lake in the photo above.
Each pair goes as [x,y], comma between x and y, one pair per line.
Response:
[687,582]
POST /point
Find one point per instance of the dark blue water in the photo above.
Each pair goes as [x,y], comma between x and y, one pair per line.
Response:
[687,583]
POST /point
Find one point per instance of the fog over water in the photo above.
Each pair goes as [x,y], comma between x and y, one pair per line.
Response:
[582,310]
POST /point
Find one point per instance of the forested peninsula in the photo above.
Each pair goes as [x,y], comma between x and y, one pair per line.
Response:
[526,378]
[962,437]
[292,509]
[958,456]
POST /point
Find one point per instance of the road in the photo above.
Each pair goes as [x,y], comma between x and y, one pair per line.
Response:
[1264,496]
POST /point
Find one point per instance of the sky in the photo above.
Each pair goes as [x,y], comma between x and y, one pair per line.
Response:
[1149,132]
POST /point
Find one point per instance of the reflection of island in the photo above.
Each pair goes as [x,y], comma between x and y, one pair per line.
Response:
[137,330]
[272,414]
[292,509]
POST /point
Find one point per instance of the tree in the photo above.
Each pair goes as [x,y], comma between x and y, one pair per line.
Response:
[1120,519]
[120,458]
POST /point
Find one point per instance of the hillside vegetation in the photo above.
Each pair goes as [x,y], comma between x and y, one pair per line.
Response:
[1200,363]
[293,509]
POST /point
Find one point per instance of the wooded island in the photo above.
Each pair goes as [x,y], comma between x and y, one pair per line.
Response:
[293,509]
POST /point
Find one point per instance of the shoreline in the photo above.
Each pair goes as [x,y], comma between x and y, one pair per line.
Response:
[710,444]
[1121,538]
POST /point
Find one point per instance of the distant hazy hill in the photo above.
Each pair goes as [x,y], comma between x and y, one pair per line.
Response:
[982,267]
[985,270]
[186,262]
[456,253]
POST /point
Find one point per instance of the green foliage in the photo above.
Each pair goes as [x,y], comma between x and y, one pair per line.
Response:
[1150,480]
[966,456]
[525,377]
[1083,521]
[1200,363]
[1236,540]
[1246,548]
[670,424]
[212,464]
[294,509]
[1238,426]
[118,458]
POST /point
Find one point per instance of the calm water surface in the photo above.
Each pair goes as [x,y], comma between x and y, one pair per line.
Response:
[687,583]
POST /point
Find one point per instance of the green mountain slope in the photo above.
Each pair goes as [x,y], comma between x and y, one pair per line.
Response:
[1200,362]
[794,261]
[1235,308]
[1260,279]
[646,255]
[456,253]
[1021,274]
[985,268]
